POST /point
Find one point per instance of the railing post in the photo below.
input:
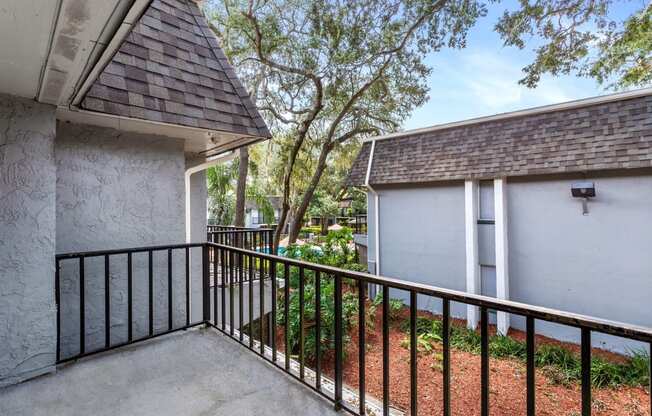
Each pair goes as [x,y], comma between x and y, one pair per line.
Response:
[57,300]
[338,342]
[205,284]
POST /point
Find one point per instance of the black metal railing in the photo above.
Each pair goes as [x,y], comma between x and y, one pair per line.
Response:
[219,227]
[360,224]
[255,281]
[78,275]
[256,239]
[349,282]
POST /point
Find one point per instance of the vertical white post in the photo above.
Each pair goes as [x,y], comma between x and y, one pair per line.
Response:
[502,251]
[472,262]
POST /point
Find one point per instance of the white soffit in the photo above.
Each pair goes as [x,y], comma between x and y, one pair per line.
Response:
[25,32]
[83,30]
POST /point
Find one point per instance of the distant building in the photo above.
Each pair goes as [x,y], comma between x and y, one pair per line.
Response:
[550,206]
[254,214]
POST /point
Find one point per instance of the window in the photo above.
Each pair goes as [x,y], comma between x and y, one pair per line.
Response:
[254,217]
[486,201]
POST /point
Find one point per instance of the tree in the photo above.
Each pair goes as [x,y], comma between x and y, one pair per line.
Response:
[322,206]
[240,195]
[220,192]
[328,73]
[335,71]
[579,37]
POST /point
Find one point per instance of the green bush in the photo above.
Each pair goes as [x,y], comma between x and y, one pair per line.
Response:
[335,252]
[395,306]
[327,311]
[313,229]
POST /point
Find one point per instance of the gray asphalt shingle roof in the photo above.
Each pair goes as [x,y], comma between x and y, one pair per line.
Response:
[604,136]
[171,69]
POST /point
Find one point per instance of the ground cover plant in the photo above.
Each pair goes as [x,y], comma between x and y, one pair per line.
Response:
[559,363]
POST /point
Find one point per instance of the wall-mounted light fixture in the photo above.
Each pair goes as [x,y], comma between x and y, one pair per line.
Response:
[584,190]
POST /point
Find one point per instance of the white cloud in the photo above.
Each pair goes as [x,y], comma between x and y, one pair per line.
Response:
[479,82]
[493,81]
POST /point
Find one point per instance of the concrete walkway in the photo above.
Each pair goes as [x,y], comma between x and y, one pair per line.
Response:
[198,372]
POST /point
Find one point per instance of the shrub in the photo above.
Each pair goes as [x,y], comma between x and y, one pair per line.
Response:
[333,254]
[395,306]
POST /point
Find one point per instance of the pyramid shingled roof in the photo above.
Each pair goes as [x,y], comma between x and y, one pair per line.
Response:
[171,69]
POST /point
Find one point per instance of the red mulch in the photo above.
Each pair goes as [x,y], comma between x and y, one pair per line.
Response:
[507,380]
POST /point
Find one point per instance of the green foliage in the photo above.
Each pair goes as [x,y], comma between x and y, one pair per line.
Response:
[579,36]
[313,229]
[327,310]
[502,346]
[221,195]
[335,253]
[626,54]
[323,204]
[261,199]
[561,365]
[395,306]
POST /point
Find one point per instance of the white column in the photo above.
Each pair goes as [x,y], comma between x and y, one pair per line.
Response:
[502,251]
[472,262]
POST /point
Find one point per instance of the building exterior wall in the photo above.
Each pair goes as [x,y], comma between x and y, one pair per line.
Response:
[597,265]
[422,239]
[27,239]
[116,190]
[198,221]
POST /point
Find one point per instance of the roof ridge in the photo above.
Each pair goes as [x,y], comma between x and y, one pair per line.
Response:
[531,111]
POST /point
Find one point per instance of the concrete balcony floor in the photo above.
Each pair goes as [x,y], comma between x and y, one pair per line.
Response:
[191,373]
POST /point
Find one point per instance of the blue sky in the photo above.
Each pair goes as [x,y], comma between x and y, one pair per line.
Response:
[482,79]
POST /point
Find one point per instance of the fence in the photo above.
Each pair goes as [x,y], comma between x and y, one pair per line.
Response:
[247,273]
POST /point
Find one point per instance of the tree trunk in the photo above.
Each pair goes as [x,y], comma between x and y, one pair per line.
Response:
[287,178]
[240,196]
[310,191]
[324,225]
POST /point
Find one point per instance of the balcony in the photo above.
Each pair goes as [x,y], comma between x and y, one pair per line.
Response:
[194,372]
[205,328]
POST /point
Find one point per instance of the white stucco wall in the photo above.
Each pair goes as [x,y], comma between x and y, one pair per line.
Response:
[27,239]
[422,239]
[198,221]
[597,265]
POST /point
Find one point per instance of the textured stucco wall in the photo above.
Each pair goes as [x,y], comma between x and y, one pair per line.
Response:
[198,220]
[27,235]
[118,190]
[597,265]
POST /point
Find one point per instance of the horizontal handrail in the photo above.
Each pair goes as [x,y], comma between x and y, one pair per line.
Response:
[241,231]
[112,252]
[636,332]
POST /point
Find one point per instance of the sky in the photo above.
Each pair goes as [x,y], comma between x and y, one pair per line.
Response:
[482,79]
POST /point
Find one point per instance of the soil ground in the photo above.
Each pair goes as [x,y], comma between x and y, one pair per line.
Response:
[507,379]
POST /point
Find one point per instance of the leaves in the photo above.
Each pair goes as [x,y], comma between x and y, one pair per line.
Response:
[578,36]
[330,73]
